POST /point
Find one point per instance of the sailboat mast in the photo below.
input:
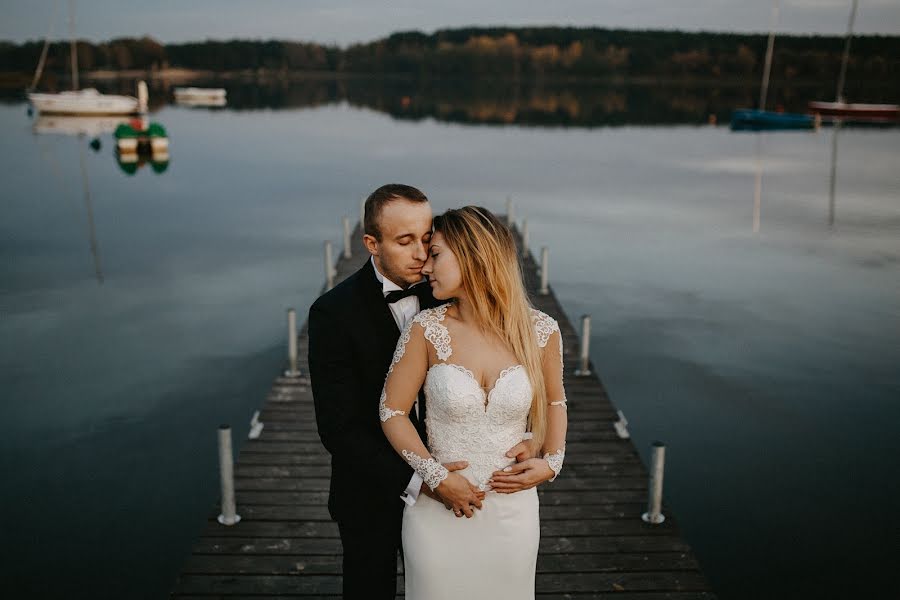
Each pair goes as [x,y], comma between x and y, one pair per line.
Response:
[74,45]
[43,60]
[842,77]
[764,88]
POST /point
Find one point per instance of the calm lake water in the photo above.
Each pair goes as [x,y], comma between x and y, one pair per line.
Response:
[759,340]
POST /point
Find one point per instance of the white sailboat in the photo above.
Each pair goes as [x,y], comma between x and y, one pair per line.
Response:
[201,97]
[81,102]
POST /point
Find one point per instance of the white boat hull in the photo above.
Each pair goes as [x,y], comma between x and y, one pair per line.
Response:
[200,96]
[83,102]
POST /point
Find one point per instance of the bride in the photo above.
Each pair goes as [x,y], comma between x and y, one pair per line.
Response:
[491,367]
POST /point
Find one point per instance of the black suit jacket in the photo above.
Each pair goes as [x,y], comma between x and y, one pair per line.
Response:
[352,337]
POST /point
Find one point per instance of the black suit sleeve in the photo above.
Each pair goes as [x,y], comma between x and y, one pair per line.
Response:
[348,424]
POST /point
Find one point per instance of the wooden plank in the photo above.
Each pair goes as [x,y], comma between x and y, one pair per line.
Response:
[331,564]
[303,528]
[580,512]
[563,484]
[673,581]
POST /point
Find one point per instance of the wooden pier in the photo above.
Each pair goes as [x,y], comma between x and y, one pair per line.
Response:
[593,541]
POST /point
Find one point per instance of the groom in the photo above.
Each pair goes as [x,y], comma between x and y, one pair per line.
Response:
[353,330]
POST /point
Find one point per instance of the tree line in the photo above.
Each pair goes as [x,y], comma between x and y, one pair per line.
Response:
[496,52]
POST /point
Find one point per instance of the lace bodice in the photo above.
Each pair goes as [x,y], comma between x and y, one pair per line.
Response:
[464,421]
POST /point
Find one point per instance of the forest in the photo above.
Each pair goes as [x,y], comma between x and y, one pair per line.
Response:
[520,53]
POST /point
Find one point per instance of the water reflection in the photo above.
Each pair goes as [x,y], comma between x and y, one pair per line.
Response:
[757,189]
[832,182]
[92,126]
[537,103]
[138,142]
[89,209]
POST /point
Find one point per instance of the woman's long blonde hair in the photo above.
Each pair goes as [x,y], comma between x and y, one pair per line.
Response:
[492,281]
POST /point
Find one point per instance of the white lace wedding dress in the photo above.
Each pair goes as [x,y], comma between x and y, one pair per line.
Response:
[493,555]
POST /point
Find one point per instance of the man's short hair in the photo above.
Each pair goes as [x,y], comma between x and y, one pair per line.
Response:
[377,199]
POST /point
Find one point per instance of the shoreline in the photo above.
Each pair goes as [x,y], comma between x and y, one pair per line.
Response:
[12,79]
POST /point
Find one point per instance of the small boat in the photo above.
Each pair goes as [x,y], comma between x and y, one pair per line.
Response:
[139,142]
[755,120]
[86,101]
[140,135]
[839,110]
[194,96]
[83,102]
[854,111]
[749,119]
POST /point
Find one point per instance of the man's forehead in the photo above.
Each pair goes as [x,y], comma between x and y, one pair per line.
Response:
[400,217]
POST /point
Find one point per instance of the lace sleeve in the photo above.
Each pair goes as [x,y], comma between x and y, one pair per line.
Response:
[384,411]
[554,369]
[404,379]
[557,417]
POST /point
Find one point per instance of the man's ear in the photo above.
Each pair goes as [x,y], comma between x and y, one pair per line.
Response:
[371,244]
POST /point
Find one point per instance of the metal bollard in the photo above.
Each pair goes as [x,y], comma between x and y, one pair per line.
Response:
[347,250]
[545,270]
[229,514]
[292,370]
[621,426]
[525,250]
[510,219]
[584,368]
[256,427]
[654,502]
[329,269]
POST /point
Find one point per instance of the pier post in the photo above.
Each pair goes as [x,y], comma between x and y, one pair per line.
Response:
[329,267]
[654,501]
[525,251]
[545,270]
[292,370]
[584,368]
[510,218]
[347,250]
[256,426]
[229,514]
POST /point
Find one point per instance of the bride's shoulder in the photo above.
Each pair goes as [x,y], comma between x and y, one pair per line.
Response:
[430,316]
[544,326]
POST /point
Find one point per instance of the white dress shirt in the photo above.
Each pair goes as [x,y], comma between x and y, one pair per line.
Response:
[403,310]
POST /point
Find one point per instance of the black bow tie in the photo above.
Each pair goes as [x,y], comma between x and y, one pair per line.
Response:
[398,295]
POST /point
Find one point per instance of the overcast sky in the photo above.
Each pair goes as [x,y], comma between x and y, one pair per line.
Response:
[345,22]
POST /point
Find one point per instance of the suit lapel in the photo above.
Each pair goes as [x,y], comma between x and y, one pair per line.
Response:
[386,331]
[379,313]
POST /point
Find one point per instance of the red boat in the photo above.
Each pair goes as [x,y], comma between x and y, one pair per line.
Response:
[868,112]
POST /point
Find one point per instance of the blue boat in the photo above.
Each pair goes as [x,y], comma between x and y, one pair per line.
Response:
[747,119]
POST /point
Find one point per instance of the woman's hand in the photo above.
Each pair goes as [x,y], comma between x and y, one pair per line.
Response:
[521,476]
[462,496]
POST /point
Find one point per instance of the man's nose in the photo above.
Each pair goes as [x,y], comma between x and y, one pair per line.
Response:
[421,253]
